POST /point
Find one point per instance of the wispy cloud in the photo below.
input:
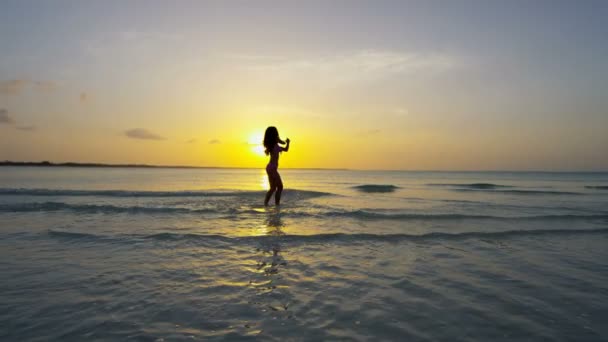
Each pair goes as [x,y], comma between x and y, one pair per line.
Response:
[17,86]
[29,128]
[214,141]
[45,85]
[141,133]
[12,87]
[355,66]
[282,110]
[400,112]
[191,141]
[368,133]
[132,35]
[4,117]
[128,40]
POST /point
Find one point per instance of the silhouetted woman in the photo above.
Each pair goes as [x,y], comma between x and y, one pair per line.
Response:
[271,143]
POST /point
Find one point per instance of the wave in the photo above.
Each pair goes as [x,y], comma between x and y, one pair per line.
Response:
[471,185]
[359,214]
[376,188]
[525,192]
[322,238]
[128,193]
[370,215]
[597,187]
[76,235]
[498,188]
[93,208]
[373,237]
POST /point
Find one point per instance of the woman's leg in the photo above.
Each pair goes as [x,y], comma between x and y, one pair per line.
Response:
[279,185]
[273,186]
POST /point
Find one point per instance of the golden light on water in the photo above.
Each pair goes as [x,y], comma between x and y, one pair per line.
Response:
[264,181]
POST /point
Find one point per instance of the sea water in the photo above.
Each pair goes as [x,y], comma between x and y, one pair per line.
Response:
[192,254]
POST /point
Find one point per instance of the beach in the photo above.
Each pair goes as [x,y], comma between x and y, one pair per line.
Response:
[192,254]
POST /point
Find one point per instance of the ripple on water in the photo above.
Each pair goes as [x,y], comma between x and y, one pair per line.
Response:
[550,287]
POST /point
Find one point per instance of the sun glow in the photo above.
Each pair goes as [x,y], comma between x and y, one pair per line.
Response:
[255,141]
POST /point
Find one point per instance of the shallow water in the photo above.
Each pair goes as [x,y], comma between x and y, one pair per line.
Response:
[172,254]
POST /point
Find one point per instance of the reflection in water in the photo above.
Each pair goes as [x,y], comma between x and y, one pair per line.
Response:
[274,223]
[273,228]
[270,283]
[264,181]
[271,246]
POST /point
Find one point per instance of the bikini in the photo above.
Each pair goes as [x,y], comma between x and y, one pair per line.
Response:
[273,164]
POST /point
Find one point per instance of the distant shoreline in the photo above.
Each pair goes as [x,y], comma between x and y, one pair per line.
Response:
[102,165]
[147,166]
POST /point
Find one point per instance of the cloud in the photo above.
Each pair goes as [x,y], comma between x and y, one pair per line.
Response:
[15,87]
[351,67]
[45,85]
[12,87]
[141,133]
[400,112]
[368,133]
[83,97]
[293,112]
[132,35]
[214,141]
[4,117]
[191,141]
[121,42]
[26,128]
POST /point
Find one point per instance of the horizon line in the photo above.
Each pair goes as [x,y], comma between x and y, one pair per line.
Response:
[113,165]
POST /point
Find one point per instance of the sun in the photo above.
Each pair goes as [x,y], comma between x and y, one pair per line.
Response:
[255,142]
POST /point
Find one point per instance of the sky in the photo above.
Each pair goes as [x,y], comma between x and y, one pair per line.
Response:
[390,85]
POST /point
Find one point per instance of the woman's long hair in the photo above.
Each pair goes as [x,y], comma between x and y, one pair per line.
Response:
[271,138]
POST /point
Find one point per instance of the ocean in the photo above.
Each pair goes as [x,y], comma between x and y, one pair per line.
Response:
[162,254]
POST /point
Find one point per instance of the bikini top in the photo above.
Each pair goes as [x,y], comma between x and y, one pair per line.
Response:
[274,155]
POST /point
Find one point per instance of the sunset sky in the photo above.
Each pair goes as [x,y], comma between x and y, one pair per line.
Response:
[413,85]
